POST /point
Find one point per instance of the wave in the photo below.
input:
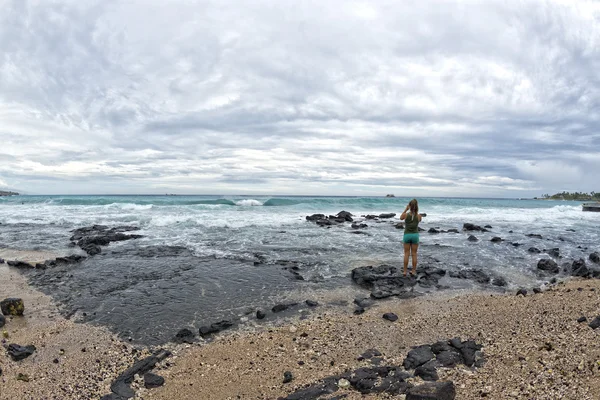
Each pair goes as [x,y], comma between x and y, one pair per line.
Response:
[248,202]
[276,202]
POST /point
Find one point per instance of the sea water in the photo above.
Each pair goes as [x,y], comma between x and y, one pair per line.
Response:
[217,256]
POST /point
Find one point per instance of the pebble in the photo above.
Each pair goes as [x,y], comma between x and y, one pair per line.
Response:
[343,383]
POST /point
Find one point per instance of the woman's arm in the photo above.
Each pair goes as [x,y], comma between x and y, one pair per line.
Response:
[403,215]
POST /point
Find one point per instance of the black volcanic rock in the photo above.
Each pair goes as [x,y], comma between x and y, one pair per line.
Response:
[184,336]
[152,381]
[390,317]
[579,268]
[417,357]
[432,391]
[387,215]
[595,257]
[18,353]
[474,274]
[472,239]
[215,328]
[548,265]
[473,227]
[282,307]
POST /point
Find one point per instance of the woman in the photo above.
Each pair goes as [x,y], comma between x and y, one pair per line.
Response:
[411,234]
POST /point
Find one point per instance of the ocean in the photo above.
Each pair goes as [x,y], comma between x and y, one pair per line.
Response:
[215,257]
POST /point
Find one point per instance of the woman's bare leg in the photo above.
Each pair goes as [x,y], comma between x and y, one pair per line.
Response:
[413,252]
[406,254]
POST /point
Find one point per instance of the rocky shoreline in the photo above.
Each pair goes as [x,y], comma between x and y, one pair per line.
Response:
[377,360]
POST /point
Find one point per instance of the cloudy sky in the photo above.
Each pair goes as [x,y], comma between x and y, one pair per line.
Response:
[336,97]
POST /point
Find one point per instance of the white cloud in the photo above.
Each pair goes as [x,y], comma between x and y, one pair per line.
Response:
[473,98]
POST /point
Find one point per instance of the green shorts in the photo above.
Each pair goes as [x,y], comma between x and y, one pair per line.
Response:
[411,238]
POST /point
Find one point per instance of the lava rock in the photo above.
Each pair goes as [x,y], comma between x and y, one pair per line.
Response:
[215,328]
[472,238]
[121,388]
[432,391]
[453,230]
[17,352]
[427,371]
[152,381]
[595,323]
[433,230]
[581,319]
[389,380]
[555,252]
[417,357]
[387,215]
[383,281]
[358,226]
[282,307]
[345,215]
[287,377]
[522,292]
[536,290]
[12,306]
[534,235]
[315,217]
[185,336]
[2,321]
[595,257]
[260,314]
[449,358]
[548,265]
[19,264]
[579,268]
[472,227]
[496,239]
[499,281]
[475,274]
[534,250]
[390,317]
[311,303]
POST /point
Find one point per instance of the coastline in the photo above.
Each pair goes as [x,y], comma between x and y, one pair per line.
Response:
[514,330]
[71,361]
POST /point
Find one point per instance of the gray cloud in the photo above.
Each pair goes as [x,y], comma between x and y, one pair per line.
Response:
[346,97]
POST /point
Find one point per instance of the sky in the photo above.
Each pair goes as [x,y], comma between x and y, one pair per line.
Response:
[339,97]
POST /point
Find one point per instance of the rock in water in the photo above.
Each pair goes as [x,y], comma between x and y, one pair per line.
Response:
[17,352]
[311,303]
[595,257]
[152,381]
[184,336]
[432,391]
[214,328]
[548,265]
[390,316]
[287,377]
[12,306]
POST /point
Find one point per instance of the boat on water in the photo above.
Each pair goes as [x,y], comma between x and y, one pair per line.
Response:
[595,206]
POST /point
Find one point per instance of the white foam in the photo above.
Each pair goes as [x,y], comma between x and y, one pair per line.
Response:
[249,202]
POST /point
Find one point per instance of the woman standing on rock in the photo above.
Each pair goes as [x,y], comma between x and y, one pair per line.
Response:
[411,234]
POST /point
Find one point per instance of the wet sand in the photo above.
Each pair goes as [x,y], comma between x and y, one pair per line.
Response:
[534,348]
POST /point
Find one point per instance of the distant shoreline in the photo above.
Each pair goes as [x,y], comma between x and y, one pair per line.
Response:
[5,193]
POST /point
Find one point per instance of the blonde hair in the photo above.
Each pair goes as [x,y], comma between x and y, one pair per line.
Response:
[414,208]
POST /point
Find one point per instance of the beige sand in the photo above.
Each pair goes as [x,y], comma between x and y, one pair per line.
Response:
[514,330]
[251,366]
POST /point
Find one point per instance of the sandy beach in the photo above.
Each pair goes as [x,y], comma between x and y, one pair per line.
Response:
[534,347]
